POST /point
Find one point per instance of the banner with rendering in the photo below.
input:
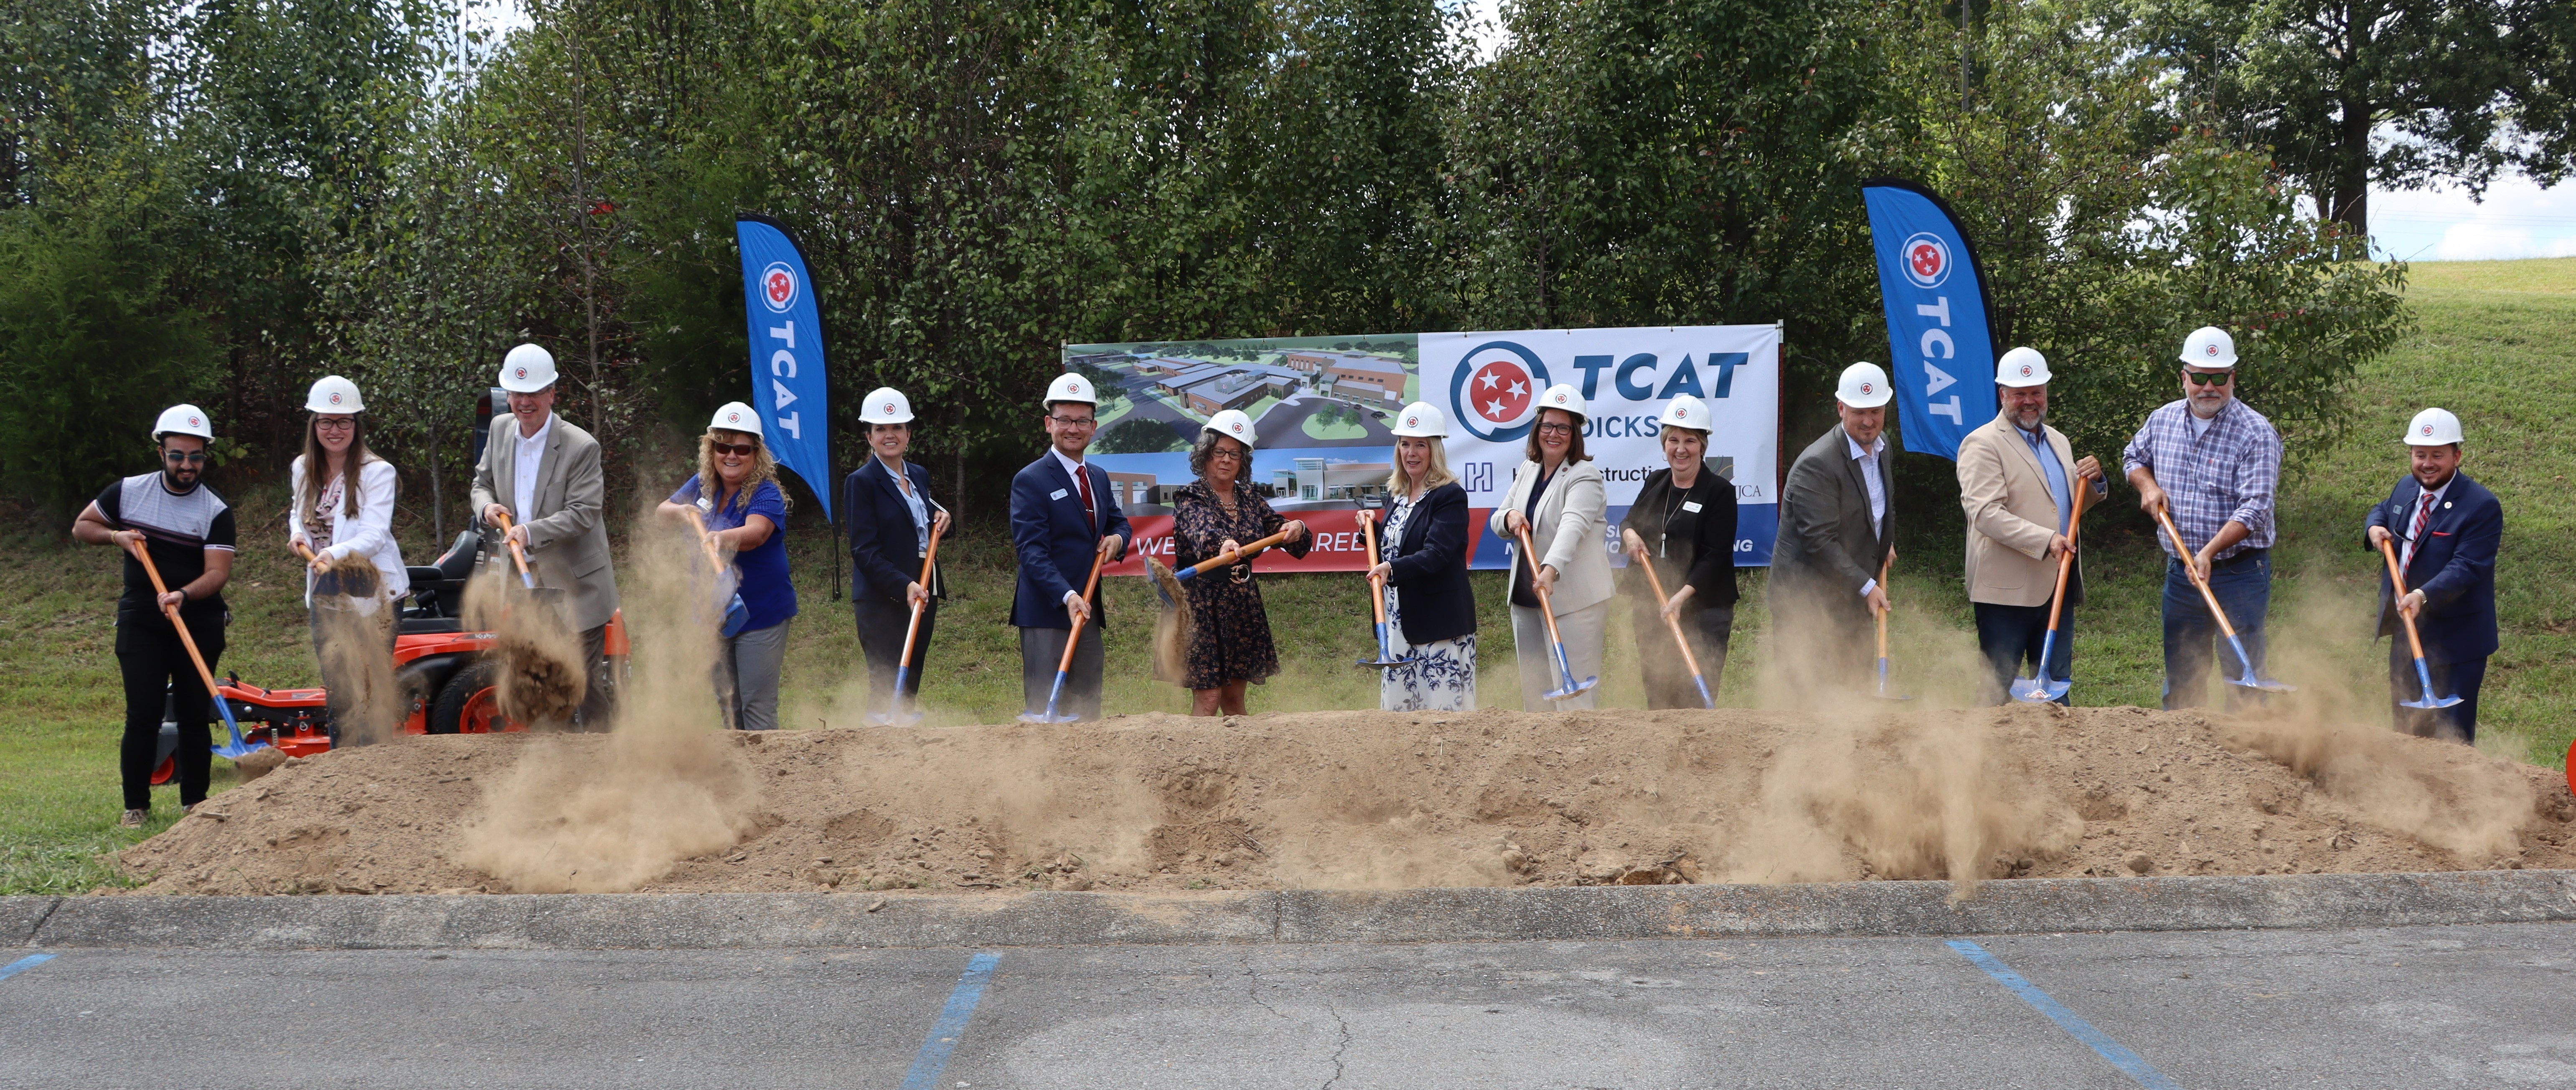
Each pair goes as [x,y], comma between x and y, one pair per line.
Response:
[1321,406]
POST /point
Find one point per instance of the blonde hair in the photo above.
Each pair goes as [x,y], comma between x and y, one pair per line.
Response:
[1439,474]
[763,467]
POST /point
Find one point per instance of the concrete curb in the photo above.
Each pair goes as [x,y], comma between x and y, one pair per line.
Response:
[791,920]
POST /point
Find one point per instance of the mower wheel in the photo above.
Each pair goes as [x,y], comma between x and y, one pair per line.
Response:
[467,704]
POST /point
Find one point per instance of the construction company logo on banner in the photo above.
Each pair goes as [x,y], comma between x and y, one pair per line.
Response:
[787,386]
[1321,406]
[1942,357]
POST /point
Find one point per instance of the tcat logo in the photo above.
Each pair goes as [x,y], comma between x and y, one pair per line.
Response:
[778,287]
[1494,390]
[1927,259]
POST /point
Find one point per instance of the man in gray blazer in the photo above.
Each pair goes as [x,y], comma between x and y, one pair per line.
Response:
[543,474]
[1837,531]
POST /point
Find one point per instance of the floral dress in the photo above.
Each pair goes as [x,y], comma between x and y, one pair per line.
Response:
[1443,677]
[1230,634]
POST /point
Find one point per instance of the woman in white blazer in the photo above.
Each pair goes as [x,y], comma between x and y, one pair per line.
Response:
[1558,493]
[337,515]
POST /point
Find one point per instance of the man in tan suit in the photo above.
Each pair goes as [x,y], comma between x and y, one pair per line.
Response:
[543,474]
[2017,478]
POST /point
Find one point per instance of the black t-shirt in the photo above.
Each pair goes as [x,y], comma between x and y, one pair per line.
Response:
[177,530]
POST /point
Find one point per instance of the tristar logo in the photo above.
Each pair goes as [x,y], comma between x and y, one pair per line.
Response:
[2212,350]
[887,408]
[778,287]
[1865,391]
[1927,259]
[521,373]
[335,398]
[1414,420]
[1681,412]
[1494,390]
[195,423]
[2428,429]
[733,418]
[2025,370]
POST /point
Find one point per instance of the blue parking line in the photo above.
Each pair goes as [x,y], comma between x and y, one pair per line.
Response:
[944,1033]
[23,964]
[2129,1063]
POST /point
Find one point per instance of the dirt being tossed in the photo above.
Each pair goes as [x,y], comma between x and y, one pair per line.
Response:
[1371,799]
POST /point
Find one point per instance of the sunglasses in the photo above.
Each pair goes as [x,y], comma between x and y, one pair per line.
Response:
[2201,379]
[194,457]
[738,450]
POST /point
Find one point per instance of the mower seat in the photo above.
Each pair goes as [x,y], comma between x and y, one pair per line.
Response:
[457,562]
[420,575]
[428,626]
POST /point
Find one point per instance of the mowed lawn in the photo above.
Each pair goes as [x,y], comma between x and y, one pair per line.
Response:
[2489,346]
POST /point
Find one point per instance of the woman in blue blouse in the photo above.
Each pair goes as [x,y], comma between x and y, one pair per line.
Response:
[746,514]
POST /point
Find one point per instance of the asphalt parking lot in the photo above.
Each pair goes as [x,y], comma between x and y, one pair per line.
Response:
[2485,1005]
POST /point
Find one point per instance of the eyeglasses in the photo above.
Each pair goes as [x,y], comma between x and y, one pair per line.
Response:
[1074,422]
[1556,429]
[2199,378]
[192,457]
[324,423]
[738,450]
[1226,453]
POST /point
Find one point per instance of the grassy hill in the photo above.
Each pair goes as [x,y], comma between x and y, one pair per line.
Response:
[2490,346]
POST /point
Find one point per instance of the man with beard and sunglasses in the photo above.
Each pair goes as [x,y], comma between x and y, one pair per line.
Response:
[187,530]
[2214,465]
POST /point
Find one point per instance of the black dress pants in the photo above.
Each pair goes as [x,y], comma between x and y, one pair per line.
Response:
[881,629]
[155,667]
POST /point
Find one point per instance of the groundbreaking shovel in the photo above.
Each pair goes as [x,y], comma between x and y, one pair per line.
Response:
[736,614]
[2423,674]
[2251,680]
[2044,689]
[1377,601]
[238,749]
[1564,667]
[1656,583]
[1072,640]
[518,555]
[1882,692]
[895,716]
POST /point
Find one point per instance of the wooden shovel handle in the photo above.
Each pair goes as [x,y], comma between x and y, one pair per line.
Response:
[2397,584]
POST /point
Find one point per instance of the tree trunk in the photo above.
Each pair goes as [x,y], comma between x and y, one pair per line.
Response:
[2351,189]
[437,497]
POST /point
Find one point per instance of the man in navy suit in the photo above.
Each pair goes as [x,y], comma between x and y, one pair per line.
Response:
[2446,528]
[1063,515]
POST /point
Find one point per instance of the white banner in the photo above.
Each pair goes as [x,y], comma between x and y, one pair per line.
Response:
[1489,385]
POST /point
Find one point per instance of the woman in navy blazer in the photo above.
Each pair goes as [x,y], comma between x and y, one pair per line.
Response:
[2450,578]
[1422,557]
[887,504]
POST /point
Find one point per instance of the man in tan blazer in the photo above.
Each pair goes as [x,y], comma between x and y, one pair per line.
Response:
[543,474]
[2017,478]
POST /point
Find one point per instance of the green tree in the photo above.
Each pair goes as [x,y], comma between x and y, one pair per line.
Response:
[2350,94]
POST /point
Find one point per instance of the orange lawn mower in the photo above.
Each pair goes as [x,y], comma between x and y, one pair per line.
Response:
[439,666]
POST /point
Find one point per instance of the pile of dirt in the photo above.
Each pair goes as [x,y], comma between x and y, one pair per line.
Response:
[1372,799]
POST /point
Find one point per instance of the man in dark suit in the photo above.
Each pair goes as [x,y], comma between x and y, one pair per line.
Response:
[2446,528]
[1837,532]
[1063,516]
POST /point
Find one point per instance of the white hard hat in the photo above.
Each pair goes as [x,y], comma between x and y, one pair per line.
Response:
[183,419]
[1564,398]
[735,416]
[2209,346]
[1071,387]
[333,394]
[885,405]
[2433,428]
[1421,421]
[527,369]
[1864,386]
[2021,368]
[1231,424]
[1685,411]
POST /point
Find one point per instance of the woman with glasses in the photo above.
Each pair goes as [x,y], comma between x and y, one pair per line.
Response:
[1558,495]
[343,508]
[887,504]
[736,494]
[1230,646]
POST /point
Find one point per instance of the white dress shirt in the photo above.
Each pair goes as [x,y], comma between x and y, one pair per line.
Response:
[1877,485]
[1073,469]
[531,458]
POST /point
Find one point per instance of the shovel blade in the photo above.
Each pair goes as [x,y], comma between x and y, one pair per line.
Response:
[2039,690]
[1882,692]
[1384,663]
[2429,705]
[1572,690]
[2262,684]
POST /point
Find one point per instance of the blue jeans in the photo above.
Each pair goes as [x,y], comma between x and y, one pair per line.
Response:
[2243,586]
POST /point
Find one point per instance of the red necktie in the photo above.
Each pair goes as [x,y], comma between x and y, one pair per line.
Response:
[2423,514]
[1082,483]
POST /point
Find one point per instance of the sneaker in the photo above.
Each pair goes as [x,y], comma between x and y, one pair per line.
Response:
[133,819]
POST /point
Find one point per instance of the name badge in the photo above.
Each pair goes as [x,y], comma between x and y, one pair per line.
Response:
[1055,495]
[1691,506]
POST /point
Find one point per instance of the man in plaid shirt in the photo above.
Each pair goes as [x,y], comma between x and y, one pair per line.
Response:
[2214,464]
